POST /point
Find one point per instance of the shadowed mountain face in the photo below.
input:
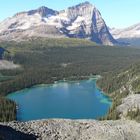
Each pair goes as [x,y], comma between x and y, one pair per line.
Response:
[80,21]
[2,50]
[8,133]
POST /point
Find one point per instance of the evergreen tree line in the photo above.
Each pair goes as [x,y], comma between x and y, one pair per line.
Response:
[46,61]
[111,84]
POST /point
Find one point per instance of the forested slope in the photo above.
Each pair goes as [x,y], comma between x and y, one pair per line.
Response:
[124,89]
[45,61]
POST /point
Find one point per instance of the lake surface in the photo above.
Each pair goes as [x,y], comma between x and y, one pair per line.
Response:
[73,100]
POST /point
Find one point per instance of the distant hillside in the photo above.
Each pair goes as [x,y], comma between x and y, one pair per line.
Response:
[41,42]
[129,35]
[124,89]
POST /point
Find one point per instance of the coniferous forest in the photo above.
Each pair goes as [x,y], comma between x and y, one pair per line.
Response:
[49,60]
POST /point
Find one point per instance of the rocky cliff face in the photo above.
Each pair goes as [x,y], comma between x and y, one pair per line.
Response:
[80,21]
[130,103]
[78,129]
[87,22]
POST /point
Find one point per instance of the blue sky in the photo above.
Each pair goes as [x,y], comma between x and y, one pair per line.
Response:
[116,13]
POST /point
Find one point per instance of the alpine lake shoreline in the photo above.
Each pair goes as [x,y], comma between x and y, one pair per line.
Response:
[72,79]
[72,129]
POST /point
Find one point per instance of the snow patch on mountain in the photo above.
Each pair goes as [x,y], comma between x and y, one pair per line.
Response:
[80,21]
[129,32]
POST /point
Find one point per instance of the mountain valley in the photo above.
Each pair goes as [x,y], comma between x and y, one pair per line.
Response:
[43,46]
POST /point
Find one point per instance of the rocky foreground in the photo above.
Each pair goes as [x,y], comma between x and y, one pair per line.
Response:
[59,129]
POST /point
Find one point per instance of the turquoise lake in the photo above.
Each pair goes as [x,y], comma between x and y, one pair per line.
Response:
[70,100]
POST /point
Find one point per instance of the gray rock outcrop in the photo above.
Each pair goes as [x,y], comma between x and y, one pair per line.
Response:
[79,129]
[129,103]
[4,64]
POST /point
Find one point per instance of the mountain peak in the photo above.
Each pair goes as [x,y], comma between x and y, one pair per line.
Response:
[86,3]
[83,4]
[43,11]
[84,9]
[80,21]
